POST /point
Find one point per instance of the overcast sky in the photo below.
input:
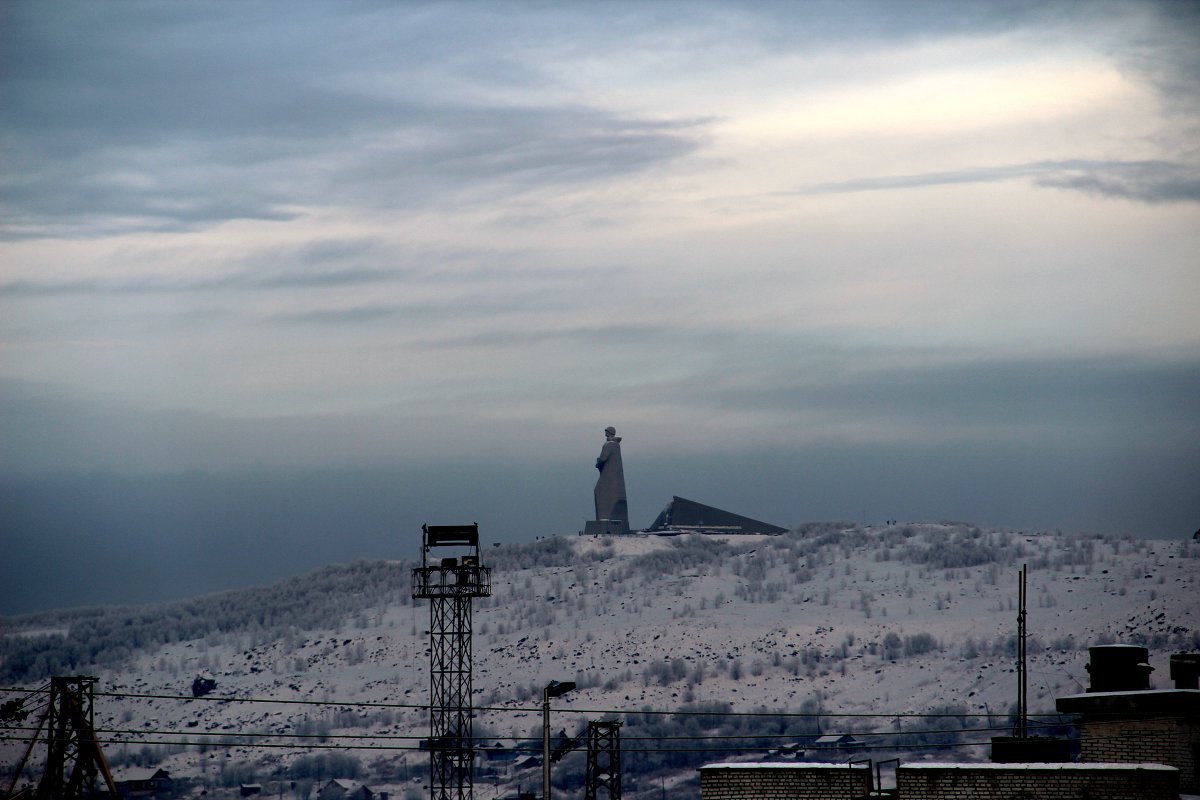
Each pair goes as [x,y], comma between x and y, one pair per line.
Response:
[281,281]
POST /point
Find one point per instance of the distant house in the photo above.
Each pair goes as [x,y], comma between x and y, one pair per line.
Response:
[786,752]
[528,762]
[498,752]
[340,789]
[843,741]
[250,789]
[144,783]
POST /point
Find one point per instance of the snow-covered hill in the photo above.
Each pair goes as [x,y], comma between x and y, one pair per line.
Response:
[831,619]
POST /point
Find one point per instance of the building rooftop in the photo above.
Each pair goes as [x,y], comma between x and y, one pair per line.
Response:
[1083,766]
[769,765]
[1143,701]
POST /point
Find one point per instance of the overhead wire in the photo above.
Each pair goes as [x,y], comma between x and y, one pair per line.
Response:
[750,747]
[223,737]
[325,746]
[537,709]
[624,737]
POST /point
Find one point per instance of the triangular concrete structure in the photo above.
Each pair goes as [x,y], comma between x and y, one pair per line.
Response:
[687,516]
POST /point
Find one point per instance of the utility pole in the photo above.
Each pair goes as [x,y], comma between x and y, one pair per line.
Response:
[553,689]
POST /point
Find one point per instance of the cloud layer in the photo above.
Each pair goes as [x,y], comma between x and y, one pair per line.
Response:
[878,236]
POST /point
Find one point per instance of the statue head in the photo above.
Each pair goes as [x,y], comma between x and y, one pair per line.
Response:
[610,432]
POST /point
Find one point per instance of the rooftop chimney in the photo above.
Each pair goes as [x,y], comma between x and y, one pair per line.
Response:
[1185,670]
[1119,668]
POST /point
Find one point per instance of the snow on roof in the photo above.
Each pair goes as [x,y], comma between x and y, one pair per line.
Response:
[1126,693]
[1098,765]
[1117,647]
[985,765]
[764,765]
[139,774]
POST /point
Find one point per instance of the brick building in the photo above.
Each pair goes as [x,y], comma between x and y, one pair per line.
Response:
[941,781]
[756,781]
[932,781]
[1157,726]
[1136,743]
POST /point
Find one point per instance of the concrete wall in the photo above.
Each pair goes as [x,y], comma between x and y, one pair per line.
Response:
[1037,782]
[744,781]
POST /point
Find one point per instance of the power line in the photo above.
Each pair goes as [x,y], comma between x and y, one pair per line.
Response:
[1054,719]
[219,735]
[227,735]
[276,700]
[533,709]
[272,745]
[749,747]
[389,736]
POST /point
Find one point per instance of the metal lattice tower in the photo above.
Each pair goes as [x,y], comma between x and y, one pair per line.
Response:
[604,760]
[450,584]
[74,758]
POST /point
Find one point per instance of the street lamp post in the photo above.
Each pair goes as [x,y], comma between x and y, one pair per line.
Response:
[553,689]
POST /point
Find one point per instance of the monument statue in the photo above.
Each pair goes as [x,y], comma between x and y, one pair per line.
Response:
[612,508]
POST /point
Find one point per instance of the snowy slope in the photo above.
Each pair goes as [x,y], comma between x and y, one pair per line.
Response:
[844,620]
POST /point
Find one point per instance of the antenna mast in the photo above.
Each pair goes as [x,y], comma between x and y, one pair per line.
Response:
[1022,730]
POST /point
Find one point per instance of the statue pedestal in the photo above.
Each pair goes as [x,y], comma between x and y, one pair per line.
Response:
[597,527]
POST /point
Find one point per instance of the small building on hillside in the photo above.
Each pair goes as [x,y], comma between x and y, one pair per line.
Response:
[135,784]
[528,762]
[842,741]
[498,752]
[786,752]
[341,789]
